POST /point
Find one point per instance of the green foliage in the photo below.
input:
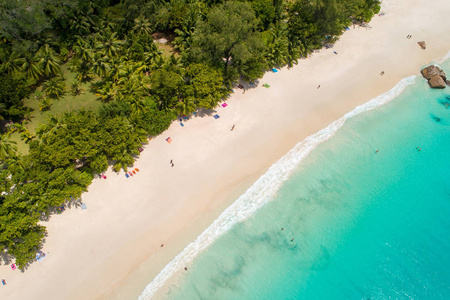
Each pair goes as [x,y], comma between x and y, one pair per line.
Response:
[75,88]
[13,89]
[265,11]
[228,38]
[7,147]
[205,85]
[45,104]
[166,86]
[277,53]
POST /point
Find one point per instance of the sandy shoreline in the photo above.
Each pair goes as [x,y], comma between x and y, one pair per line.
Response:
[112,249]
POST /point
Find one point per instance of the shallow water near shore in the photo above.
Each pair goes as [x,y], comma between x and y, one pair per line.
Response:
[364,215]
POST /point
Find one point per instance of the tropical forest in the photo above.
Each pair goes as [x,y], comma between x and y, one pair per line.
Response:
[84,84]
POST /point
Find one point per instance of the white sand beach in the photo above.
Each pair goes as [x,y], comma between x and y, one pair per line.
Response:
[113,249]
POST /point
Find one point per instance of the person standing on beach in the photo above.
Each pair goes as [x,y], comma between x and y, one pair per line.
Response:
[232,127]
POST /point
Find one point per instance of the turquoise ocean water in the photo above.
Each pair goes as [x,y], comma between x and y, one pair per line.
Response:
[364,224]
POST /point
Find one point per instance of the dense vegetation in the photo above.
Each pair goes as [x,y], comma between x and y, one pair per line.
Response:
[109,44]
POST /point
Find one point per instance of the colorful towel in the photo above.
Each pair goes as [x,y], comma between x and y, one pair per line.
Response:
[224,105]
[216,116]
[169,140]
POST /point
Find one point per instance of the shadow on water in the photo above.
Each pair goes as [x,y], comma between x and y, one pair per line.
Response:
[445,101]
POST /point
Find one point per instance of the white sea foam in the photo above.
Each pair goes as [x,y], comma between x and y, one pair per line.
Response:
[263,190]
[443,59]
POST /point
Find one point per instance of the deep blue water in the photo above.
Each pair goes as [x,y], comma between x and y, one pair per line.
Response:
[364,224]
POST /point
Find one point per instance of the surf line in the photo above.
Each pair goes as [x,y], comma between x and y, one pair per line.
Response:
[263,190]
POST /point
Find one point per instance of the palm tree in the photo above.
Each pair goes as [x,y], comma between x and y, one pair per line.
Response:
[54,123]
[45,104]
[10,62]
[174,64]
[109,44]
[27,136]
[31,66]
[151,58]
[135,87]
[277,46]
[183,41]
[137,105]
[185,107]
[123,160]
[55,87]
[100,66]
[83,50]
[142,26]
[141,67]
[81,24]
[107,92]
[7,148]
[49,60]
[76,88]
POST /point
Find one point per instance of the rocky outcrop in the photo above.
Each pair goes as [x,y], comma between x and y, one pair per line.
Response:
[435,76]
[437,82]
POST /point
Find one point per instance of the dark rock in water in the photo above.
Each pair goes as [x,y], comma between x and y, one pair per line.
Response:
[431,71]
[436,119]
[446,103]
[435,76]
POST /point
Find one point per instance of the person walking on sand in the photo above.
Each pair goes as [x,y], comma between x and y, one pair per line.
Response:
[318,87]
[232,127]
[382,73]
